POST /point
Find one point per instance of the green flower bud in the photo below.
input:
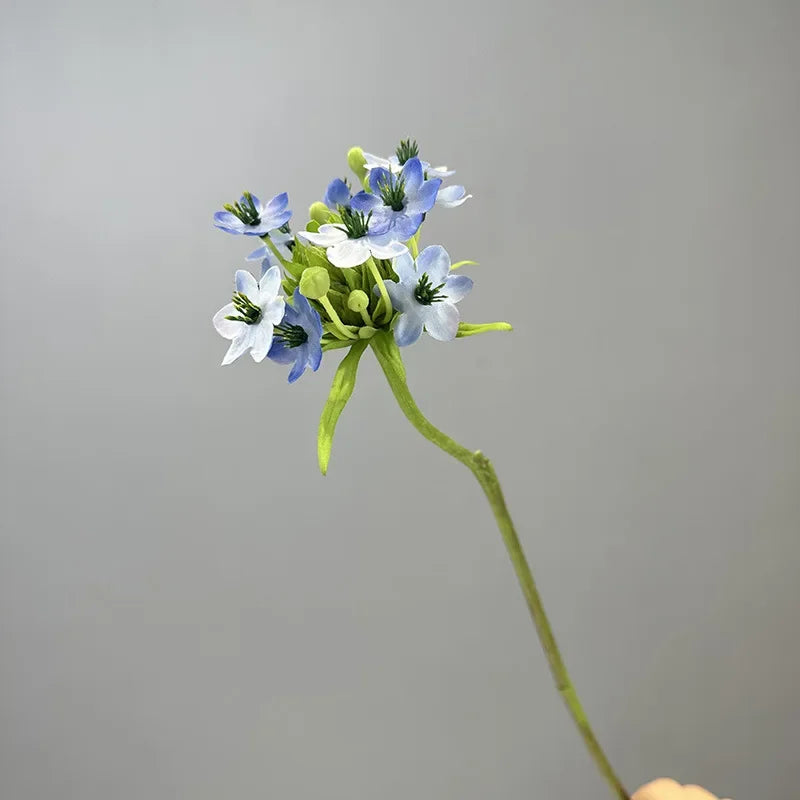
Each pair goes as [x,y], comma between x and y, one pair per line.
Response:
[356,161]
[319,212]
[367,332]
[315,282]
[358,301]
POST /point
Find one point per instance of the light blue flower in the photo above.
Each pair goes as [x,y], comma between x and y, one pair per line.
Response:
[249,319]
[251,217]
[426,295]
[337,194]
[397,203]
[452,196]
[297,337]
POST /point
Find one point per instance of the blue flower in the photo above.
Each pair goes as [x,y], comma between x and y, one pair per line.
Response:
[337,194]
[251,217]
[265,256]
[296,340]
[426,295]
[398,203]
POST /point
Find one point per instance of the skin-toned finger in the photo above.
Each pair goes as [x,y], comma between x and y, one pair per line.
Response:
[661,789]
[693,792]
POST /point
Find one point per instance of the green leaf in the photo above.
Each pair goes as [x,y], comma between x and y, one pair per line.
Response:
[468,329]
[463,264]
[344,382]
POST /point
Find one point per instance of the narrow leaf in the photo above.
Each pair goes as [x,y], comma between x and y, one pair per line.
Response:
[469,329]
[344,382]
[462,264]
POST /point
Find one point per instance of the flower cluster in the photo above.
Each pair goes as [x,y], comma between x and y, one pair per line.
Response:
[354,271]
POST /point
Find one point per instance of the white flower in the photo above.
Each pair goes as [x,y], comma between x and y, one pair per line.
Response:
[249,320]
[452,196]
[393,165]
[344,252]
[426,296]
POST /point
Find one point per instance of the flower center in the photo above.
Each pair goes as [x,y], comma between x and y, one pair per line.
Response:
[406,149]
[245,211]
[291,335]
[355,223]
[426,293]
[249,312]
[393,192]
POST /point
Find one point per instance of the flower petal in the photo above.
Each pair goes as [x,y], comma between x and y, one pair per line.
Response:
[247,284]
[238,346]
[423,200]
[280,352]
[349,253]
[388,249]
[404,226]
[300,364]
[377,177]
[276,205]
[337,194]
[261,340]
[227,222]
[441,321]
[452,196]
[227,327]
[327,235]
[457,287]
[407,329]
[413,177]
[257,255]
[434,261]
[403,267]
[366,202]
[269,285]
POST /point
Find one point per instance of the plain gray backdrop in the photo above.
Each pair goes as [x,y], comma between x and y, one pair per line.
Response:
[189,610]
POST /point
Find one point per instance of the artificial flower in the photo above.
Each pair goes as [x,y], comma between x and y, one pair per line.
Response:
[296,339]
[251,217]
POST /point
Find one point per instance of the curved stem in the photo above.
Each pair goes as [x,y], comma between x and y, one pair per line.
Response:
[387,303]
[388,356]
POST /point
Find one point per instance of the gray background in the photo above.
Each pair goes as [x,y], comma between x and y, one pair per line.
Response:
[188,610]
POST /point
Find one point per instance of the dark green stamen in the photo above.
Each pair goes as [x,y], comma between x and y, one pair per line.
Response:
[355,222]
[393,192]
[291,335]
[286,228]
[426,293]
[406,149]
[245,211]
[249,312]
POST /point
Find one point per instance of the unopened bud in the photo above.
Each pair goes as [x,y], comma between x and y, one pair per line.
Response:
[319,212]
[358,301]
[315,282]
[356,161]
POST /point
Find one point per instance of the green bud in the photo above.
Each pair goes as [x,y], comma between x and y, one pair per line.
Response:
[315,282]
[319,212]
[367,332]
[358,301]
[356,161]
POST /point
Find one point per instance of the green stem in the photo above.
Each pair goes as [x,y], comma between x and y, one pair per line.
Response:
[387,303]
[388,356]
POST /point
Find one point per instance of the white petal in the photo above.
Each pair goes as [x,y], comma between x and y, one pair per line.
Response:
[403,266]
[261,341]
[441,321]
[227,327]
[407,329]
[238,346]
[269,285]
[349,253]
[247,284]
[388,250]
[434,261]
[326,236]
[272,311]
[452,196]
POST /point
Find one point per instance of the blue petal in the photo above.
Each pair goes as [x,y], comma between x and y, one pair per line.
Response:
[434,261]
[314,355]
[381,221]
[307,316]
[365,202]
[407,329]
[280,353]
[412,174]
[457,287]
[406,226]
[257,255]
[228,222]
[378,176]
[276,205]
[300,365]
[424,198]
[338,194]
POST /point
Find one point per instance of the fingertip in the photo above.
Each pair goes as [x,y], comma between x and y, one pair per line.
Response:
[659,789]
